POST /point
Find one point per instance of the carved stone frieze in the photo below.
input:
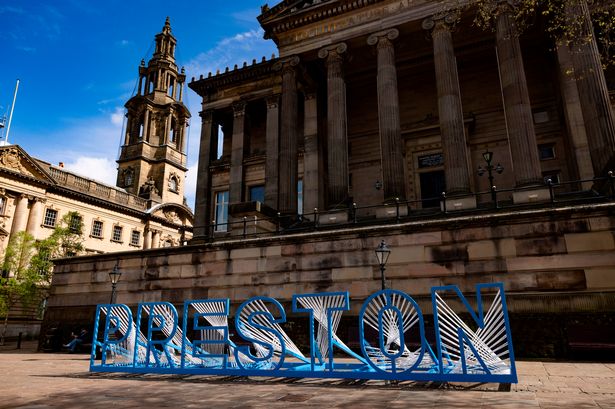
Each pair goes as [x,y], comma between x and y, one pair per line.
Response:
[11,159]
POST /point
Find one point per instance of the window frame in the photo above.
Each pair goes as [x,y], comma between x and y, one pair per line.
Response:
[221,227]
[121,233]
[45,218]
[92,230]
[136,243]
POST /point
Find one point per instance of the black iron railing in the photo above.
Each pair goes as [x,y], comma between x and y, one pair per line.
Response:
[550,194]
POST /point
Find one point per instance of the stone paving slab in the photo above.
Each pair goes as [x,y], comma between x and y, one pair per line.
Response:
[41,381]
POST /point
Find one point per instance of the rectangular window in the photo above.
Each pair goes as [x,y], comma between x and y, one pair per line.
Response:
[546,151]
[135,238]
[220,144]
[97,229]
[75,223]
[257,194]
[221,211]
[50,218]
[117,234]
[2,205]
[300,196]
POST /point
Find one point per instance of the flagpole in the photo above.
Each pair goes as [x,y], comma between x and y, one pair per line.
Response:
[8,128]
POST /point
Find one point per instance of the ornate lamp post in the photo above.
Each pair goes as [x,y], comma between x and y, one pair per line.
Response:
[382,253]
[114,276]
[488,157]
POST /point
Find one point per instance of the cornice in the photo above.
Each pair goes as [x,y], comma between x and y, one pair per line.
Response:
[292,14]
[233,77]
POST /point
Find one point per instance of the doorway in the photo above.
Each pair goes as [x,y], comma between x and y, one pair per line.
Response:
[432,186]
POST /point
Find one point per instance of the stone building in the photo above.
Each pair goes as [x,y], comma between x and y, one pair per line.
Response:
[147,207]
[372,110]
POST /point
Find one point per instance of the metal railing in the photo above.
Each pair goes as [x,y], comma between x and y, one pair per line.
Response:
[547,195]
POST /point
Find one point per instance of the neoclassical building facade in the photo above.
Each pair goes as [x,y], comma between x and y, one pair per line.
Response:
[145,210]
[373,101]
[373,110]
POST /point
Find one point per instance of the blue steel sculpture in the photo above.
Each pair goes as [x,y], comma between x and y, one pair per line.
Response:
[393,343]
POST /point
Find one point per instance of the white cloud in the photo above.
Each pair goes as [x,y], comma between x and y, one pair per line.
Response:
[232,50]
[117,117]
[100,169]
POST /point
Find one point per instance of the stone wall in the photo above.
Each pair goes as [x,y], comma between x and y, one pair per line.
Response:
[557,264]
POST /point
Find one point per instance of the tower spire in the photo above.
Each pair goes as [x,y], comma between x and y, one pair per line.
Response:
[156,128]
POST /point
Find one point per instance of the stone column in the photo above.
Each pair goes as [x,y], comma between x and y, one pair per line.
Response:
[271,164]
[517,107]
[594,96]
[20,217]
[311,156]
[452,129]
[236,177]
[391,144]
[145,125]
[573,113]
[147,238]
[288,138]
[167,132]
[155,239]
[337,137]
[36,216]
[202,207]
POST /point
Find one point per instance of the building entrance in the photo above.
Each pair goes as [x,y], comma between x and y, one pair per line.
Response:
[432,186]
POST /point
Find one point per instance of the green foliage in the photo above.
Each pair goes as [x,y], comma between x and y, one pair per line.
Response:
[27,264]
[566,21]
[18,281]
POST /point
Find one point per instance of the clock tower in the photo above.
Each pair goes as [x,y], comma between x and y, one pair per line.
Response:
[152,162]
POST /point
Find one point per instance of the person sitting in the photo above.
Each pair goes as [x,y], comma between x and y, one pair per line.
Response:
[77,340]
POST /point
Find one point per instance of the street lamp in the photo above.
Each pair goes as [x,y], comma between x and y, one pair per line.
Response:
[488,157]
[114,276]
[382,253]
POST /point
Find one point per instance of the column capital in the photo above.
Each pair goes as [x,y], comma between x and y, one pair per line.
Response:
[38,199]
[383,37]
[308,95]
[207,115]
[273,101]
[442,21]
[239,108]
[332,51]
[286,64]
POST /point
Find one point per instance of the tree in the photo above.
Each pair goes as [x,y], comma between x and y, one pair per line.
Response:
[18,283]
[566,21]
[28,264]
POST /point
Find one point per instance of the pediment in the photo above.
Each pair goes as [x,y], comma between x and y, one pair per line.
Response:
[13,158]
[173,213]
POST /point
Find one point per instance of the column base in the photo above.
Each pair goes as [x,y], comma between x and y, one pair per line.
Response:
[460,203]
[333,217]
[390,211]
[535,195]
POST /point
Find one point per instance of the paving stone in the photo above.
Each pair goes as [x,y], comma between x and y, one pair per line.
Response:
[37,380]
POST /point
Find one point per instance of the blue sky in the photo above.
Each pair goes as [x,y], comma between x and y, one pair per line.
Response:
[77,61]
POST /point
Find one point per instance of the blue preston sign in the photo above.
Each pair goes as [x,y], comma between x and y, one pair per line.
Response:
[155,341]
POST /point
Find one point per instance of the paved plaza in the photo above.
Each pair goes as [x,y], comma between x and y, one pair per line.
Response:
[39,380]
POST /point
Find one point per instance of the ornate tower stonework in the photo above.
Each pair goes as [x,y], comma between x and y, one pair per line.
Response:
[152,162]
